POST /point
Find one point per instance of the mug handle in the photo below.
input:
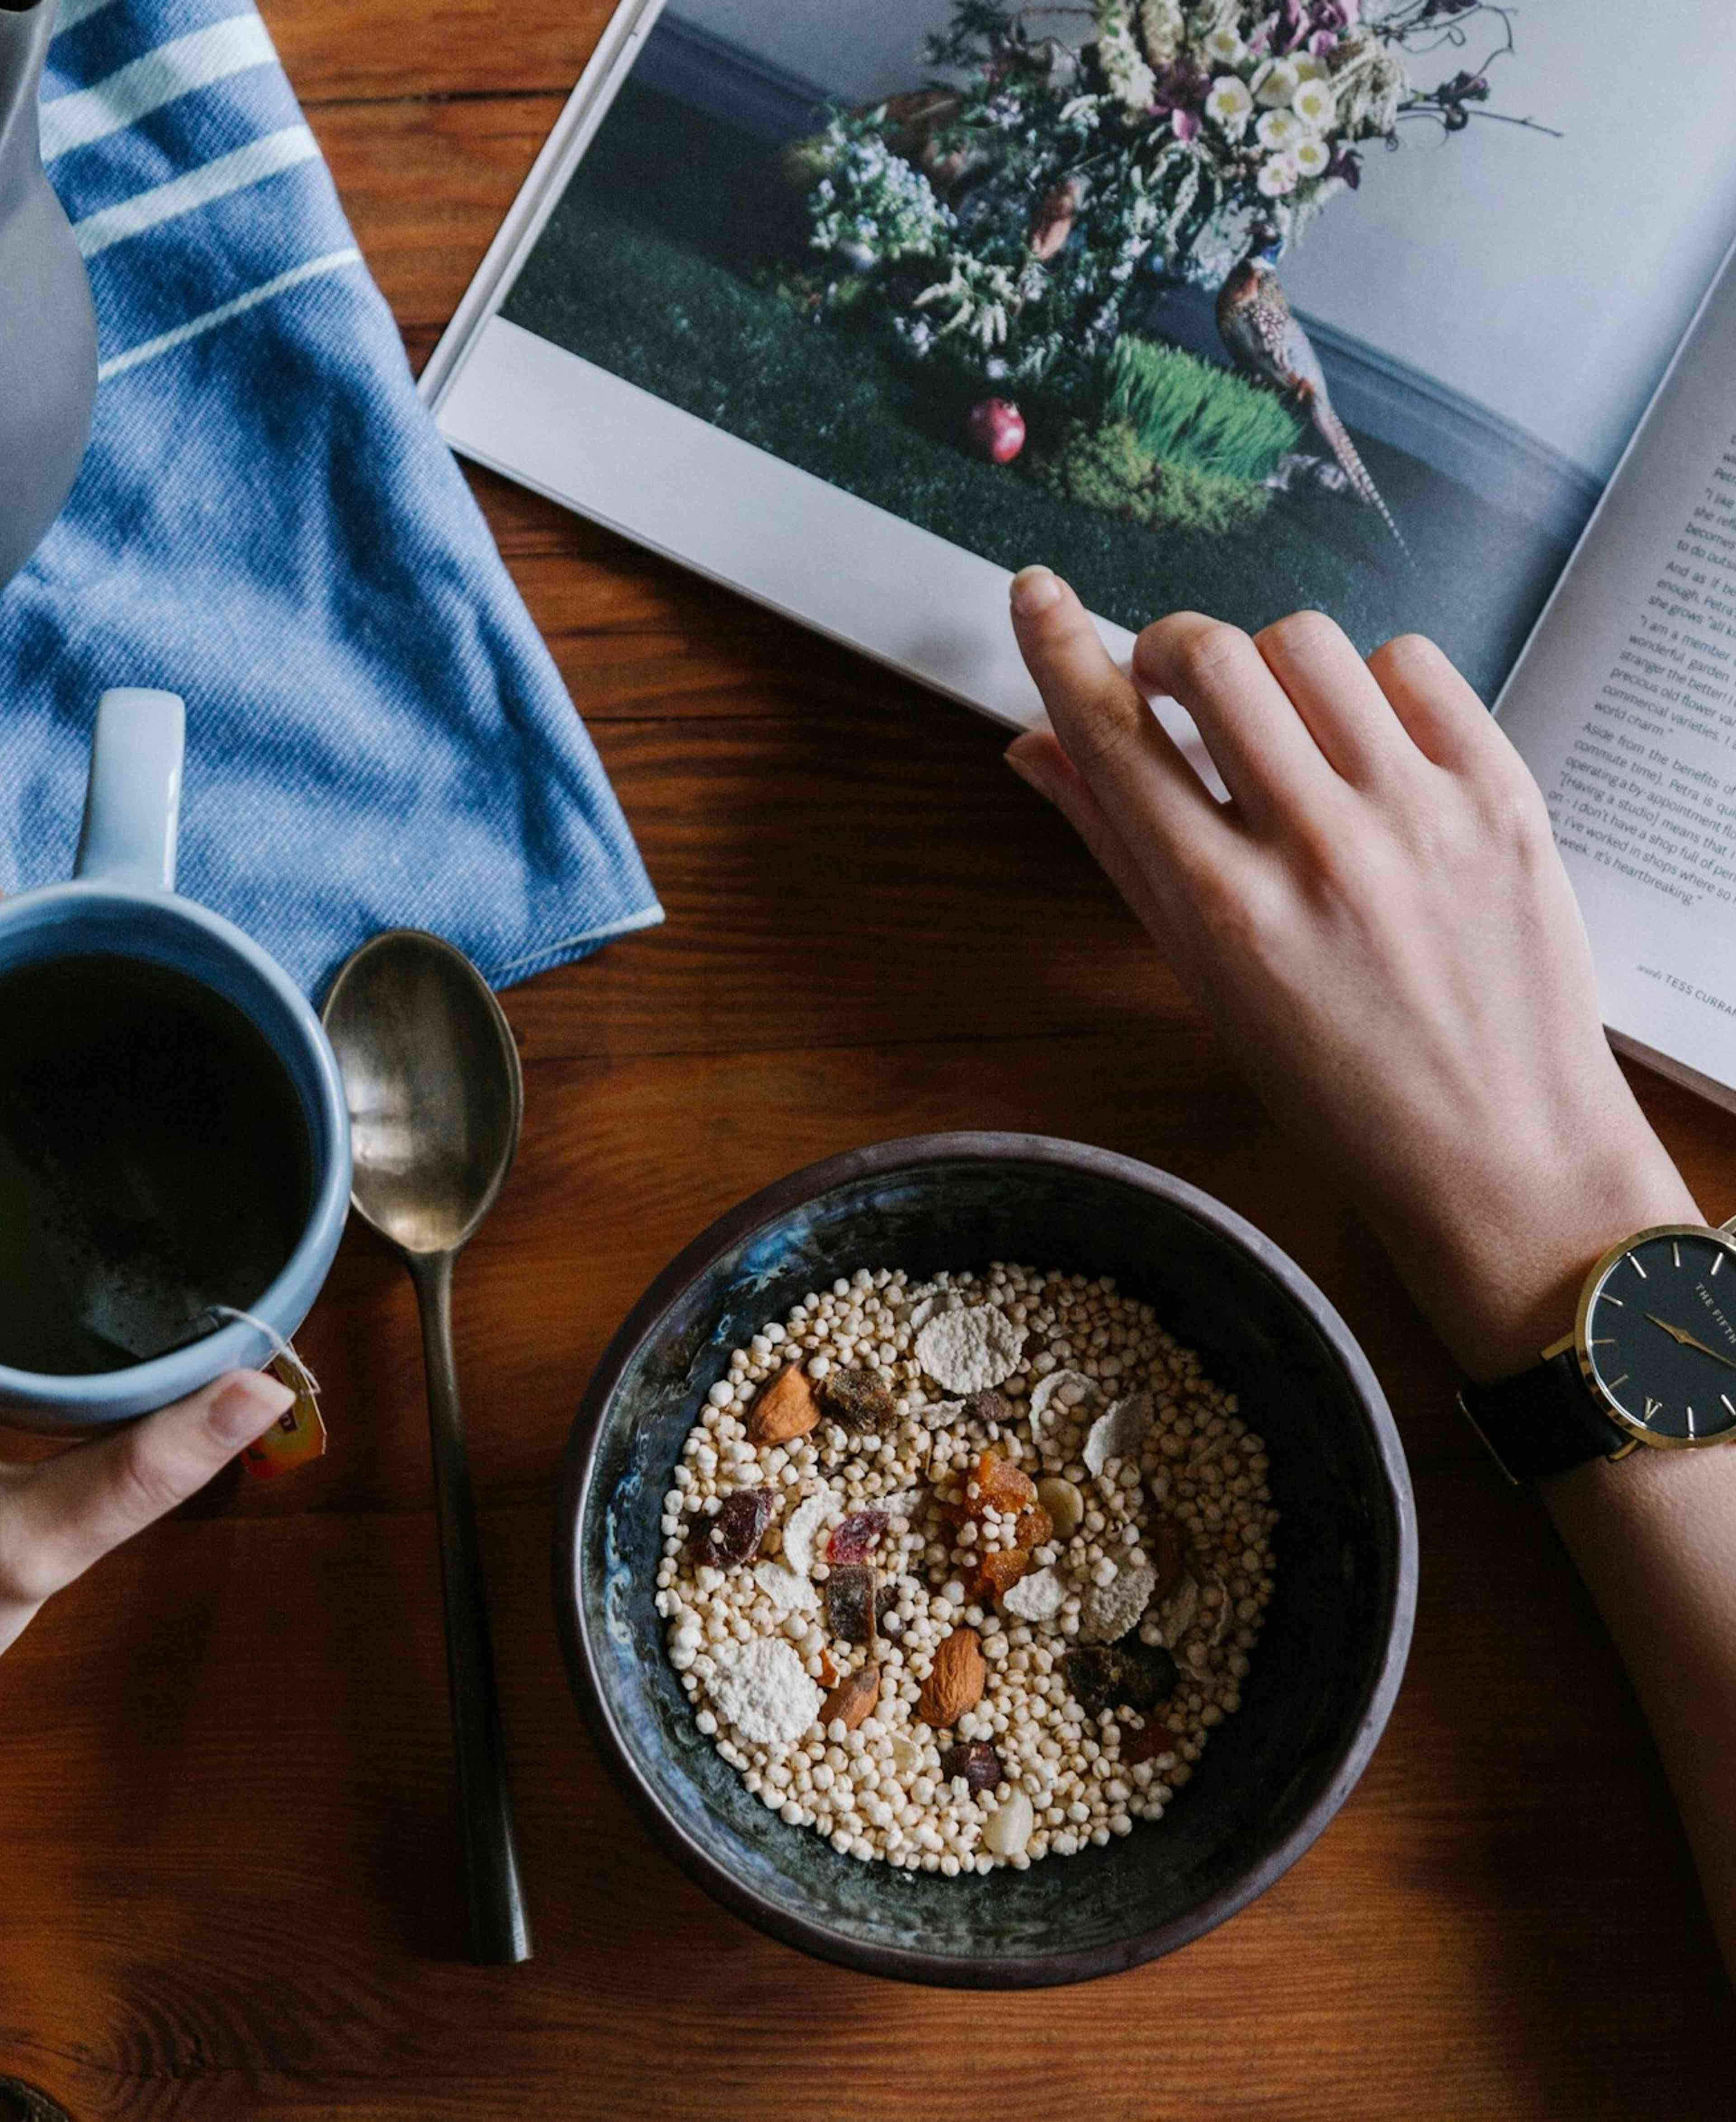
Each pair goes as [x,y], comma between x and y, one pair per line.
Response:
[132,807]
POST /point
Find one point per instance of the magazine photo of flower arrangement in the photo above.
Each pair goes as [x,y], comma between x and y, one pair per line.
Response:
[1041,290]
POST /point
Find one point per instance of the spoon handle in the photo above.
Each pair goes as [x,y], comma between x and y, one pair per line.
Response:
[498,1932]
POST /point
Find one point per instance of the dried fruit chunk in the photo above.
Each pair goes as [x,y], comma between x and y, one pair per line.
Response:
[849,1603]
[1152,1740]
[734,1534]
[1168,1552]
[853,1699]
[1120,1676]
[976,1761]
[997,1571]
[856,1539]
[956,1679]
[997,1484]
[990,1406]
[1033,1527]
[1107,1611]
[785,1409]
[966,1351]
[857,1399]
[762,1690]
[1037,1597]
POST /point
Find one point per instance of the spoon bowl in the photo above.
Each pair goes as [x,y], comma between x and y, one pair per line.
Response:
[436,1094]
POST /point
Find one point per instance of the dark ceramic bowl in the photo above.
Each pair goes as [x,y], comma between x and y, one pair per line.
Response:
[1324,1674]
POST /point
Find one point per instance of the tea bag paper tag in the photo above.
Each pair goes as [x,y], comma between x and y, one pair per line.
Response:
[299,1432]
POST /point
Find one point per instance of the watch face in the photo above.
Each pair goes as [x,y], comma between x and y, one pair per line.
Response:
[1659,1336]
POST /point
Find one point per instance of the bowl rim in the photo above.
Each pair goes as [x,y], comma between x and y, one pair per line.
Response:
[989,1970]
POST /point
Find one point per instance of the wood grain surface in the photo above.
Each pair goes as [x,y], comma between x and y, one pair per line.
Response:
[227,1878]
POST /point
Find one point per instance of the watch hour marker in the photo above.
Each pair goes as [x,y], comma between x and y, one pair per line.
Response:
[1634,1264]
[1603,1340]
[1620,1303]
[1690,1430]
[1717,1262]
[1614,1382]
[1725,1398]
[1654,1408]
[1675,1251]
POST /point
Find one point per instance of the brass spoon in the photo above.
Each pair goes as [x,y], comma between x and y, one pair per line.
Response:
[435,1098]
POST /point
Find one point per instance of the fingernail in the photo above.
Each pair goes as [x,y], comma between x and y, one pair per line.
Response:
[1034,589]
[247,1406]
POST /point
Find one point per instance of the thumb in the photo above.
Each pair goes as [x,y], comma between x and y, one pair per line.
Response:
[72,1510]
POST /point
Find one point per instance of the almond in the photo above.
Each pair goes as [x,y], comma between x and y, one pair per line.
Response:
[956,1680]
[786,1409]
[853,1699]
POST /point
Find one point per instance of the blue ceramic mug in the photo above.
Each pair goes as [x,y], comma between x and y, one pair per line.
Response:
[121,903]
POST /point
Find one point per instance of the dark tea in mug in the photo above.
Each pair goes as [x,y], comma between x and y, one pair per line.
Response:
[154,1162]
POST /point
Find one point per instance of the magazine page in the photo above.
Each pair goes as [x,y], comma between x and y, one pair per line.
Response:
[1240,305]
[1624,706]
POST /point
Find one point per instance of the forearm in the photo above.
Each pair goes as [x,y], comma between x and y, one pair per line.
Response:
[1654,1537]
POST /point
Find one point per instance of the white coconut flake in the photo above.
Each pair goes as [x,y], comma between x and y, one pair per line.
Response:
[1119,1433]
[788,1590]
[1176,1614]
[1038,1597]
[1056,1402]
[971,1350]
[941,1414]
[764,1692]
[1107,1611]
[804,1522]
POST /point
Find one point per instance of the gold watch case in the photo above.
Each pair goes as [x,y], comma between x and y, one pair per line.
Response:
[1634,1431]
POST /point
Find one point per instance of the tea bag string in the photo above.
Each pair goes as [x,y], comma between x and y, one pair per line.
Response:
[282,1350]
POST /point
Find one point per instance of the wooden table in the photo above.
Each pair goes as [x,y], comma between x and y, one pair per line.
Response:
[226,1883]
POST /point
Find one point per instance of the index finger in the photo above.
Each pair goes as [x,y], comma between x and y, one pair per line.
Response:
[1131,764]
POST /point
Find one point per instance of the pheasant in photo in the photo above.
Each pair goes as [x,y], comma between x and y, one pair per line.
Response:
[1262,336]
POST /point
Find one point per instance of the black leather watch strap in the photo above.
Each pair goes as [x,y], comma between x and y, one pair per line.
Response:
[1544,1421]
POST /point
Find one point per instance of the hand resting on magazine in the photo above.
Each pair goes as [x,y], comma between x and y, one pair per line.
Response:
[1380,928]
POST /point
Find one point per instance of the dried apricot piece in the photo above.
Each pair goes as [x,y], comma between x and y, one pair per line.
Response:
[856,1539]
[1033,1527]
[999,1485]
[1152,1738]
[998,1571]
[734,1534]
[1168,1552]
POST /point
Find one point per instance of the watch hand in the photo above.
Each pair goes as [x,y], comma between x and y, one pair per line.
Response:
[1687,1341]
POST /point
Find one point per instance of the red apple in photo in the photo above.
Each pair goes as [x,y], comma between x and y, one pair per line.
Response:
[997,429]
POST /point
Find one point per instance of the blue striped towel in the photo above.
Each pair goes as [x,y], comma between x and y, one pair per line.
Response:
[268,523]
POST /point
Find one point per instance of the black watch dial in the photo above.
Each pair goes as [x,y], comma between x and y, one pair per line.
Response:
[1660,1335]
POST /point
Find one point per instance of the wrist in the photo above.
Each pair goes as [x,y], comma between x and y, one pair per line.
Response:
[1501,1281]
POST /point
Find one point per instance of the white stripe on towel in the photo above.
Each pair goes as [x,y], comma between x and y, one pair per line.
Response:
[73,12]
[187,63]
[197,327]
[215,180]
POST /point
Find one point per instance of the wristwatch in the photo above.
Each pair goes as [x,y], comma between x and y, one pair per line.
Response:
[1651,1361]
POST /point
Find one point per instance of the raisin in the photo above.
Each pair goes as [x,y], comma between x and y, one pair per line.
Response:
[1132,1675]
[857,1399]
[1152,1739]
[998,1571]
[857,1538]
[734,1534]
[999,1486]
[1167,1552]
[849,1603]
[976,1762]
[1090,1676]
[1147,1676]
[1034,1527]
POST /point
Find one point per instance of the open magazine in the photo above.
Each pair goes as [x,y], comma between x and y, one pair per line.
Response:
[1418,311]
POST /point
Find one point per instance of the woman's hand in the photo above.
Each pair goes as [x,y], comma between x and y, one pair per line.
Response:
[1381,929]
[59,1516]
